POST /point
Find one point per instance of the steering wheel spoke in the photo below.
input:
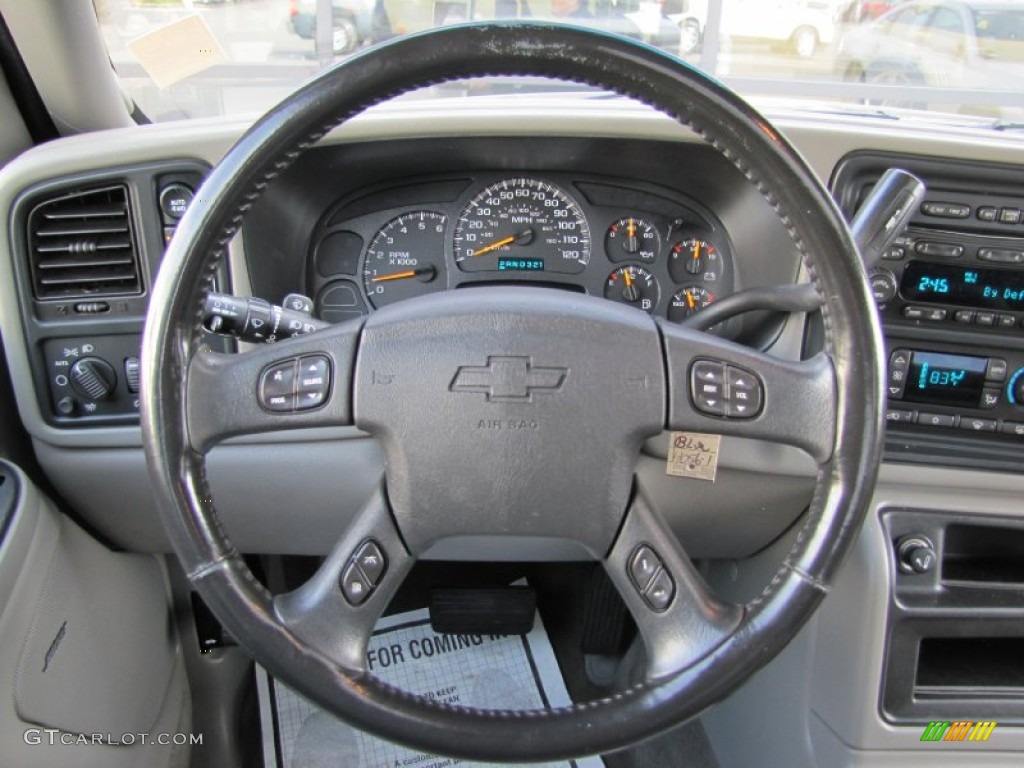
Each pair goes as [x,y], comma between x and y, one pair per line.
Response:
[303,382]
[679,618]
[721,387]
[335,611]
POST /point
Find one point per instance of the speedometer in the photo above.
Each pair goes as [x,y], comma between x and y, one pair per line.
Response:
[521,225]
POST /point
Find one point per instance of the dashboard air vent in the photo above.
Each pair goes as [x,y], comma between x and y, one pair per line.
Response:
[81,244]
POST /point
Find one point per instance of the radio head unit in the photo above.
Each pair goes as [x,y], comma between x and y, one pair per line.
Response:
[963,285]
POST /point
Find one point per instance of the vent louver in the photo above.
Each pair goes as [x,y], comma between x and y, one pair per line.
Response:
[81,245]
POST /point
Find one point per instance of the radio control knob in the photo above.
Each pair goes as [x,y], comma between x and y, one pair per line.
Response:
[93,378]
[883,286]
[916,555]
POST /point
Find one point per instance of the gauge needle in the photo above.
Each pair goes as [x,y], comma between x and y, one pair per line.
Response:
[631,232]
[696,251]
[630,293]
[426,274]
[522,238]
[690,301]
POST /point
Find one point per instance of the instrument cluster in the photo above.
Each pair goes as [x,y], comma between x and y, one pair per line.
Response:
[631,242]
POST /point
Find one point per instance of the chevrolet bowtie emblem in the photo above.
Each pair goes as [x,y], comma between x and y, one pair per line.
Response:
[508,379]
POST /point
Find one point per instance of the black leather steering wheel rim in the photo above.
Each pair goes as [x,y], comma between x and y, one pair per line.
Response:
[171,342]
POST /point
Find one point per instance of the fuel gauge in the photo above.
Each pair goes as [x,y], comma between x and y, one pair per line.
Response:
[687,301]
[633,285]
[632,239]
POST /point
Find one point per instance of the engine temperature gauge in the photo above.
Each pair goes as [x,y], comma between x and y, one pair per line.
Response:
[632,239]
[633,285]
[688,301]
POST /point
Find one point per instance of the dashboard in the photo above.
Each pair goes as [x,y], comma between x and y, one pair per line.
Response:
[631,242]
[618,203]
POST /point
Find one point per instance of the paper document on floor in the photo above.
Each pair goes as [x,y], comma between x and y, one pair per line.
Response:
[484,671]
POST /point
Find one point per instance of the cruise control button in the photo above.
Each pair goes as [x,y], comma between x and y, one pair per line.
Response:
[659,595]
[1012,428]
[371,561]
[354,585]
[642,567]
[936,419]
[977,425]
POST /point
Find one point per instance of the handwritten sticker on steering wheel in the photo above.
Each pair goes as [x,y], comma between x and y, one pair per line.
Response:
[693,454]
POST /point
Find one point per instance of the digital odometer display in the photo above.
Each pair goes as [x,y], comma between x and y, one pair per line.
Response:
[965,286]
[945,379]
[520,265]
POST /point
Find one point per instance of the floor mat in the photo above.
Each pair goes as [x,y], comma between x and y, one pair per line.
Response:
[486,671]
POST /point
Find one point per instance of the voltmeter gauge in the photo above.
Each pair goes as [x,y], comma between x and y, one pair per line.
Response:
[687,301]
[632,239]
[694,257]
[633,285]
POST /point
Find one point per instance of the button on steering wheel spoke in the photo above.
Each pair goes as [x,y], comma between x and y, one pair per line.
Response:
[679,618]
[302,382]
[721,387]
[335,611]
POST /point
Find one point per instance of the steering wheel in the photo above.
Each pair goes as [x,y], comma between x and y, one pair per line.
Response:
[513,415]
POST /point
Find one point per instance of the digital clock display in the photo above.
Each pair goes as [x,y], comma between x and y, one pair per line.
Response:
[520,265]
[965,286]
[945,379]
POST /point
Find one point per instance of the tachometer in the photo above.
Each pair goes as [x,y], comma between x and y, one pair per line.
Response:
[519,222]
[405,258]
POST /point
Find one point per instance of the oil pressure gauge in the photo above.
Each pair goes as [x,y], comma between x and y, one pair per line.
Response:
[633,285]
[632,239]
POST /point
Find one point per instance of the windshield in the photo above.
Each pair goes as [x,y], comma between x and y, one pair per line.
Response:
[196,58]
